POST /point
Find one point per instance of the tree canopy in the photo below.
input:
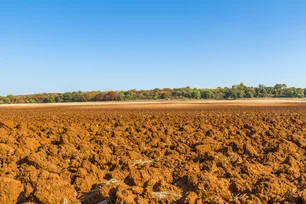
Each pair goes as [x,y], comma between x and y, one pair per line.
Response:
[235,92]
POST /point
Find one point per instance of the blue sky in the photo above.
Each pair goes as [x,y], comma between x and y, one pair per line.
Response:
[61,45]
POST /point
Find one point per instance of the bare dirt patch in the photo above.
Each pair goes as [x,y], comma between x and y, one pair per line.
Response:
[154,153]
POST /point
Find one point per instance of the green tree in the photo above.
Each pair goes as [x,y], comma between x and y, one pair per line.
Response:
[219,94]
[196,94]
[250,92]
[261,91]
[130,95]
[300,93]
[278,90]
[238,91]
[6,100]
[58,98]
[67,97]
[289,92]
[121,96]
[46,100]
[208,94]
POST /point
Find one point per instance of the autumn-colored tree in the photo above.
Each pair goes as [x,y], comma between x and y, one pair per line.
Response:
[111,96]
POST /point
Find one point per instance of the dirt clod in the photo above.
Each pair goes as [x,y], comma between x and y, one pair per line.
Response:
[147,153]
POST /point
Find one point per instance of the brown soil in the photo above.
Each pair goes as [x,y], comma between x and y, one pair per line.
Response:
[153,153]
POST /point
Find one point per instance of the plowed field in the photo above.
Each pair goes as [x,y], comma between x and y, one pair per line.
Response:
[153,153]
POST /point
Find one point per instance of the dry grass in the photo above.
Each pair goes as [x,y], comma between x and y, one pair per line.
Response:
[165,195]
[111,181]
[106,201]
[141,162]
[65,201]
[237,196]
[98,188]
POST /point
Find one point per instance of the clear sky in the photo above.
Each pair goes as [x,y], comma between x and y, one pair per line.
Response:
[61,45]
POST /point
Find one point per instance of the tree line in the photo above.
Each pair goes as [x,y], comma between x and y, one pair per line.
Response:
[235,92]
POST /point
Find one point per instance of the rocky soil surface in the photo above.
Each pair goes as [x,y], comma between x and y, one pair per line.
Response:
[153,154]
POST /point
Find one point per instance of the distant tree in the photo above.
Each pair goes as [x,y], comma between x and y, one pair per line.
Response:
[289,92]
[87,96]
[58,98]
[100,97]
[219,94]
[278,90]
[280,86]
[234,92]
[208,94]
[261,86]
[76,96]
[178,93]
[196,94]
[300,93]
[165,95]
[250,92]
[67,97]
[130,95]
[261,91]
[6,100]
[46,100]
[111,96]
[121,96]
[238,91]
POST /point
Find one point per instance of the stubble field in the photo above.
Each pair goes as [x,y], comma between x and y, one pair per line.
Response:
[154,153]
